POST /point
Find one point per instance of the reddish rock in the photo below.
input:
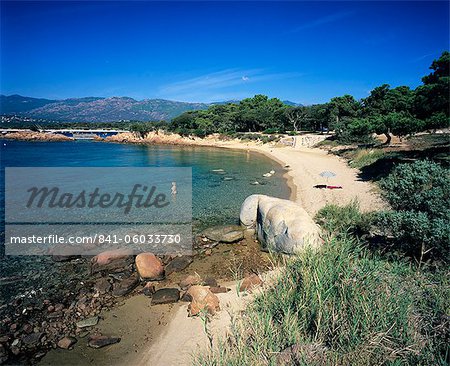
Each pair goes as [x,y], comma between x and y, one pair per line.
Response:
[115,260]
[202,300]
[67,342]
[190,281]
[149,266]
[250,282]
[219,289]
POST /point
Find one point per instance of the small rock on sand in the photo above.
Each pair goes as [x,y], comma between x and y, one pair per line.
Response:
[66,342]
[166,296]
[189,281]
[149,289]
[219,289]
[202,299]
[250,282]
[99,341]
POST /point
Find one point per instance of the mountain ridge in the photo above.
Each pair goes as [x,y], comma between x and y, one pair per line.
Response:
[99,109]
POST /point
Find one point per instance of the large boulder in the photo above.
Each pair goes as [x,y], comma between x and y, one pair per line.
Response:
[149,266]
[281,225]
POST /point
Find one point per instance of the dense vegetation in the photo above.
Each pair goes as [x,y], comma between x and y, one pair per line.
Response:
[343,306]
[419,194]
[400,111]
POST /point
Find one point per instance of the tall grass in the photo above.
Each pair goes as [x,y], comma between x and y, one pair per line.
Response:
[343,305]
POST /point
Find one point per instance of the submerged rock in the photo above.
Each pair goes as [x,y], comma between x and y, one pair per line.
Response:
[89,322]
[99,341]
[281,225]
[225,234]
[178,264]
[149,266]
[112,261]
[166,296]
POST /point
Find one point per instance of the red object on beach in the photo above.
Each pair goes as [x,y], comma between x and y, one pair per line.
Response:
[334,187]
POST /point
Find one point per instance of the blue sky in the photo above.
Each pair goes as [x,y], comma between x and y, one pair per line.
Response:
[306,52]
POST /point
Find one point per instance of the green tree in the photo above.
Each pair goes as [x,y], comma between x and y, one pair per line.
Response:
[432,98]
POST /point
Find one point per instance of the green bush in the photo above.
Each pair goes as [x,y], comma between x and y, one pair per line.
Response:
[421,186]
[419,194]
[415,233]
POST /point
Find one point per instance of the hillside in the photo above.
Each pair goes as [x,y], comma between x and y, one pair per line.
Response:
[93,109]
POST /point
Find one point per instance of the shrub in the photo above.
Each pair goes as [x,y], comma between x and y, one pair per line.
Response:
[419,194]
[415,233]
[420,186]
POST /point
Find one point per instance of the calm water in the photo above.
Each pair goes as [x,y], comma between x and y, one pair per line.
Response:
[216,197]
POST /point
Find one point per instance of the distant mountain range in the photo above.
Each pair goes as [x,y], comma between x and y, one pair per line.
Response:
[95,109]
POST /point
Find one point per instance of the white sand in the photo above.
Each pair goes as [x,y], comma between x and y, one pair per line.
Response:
[305,165]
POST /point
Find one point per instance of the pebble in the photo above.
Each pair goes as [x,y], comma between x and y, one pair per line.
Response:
[250,282]
[178,264]
[99,341]
[89,322]
[66,342]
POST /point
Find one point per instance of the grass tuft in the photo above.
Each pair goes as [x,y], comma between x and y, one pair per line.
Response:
[343,305]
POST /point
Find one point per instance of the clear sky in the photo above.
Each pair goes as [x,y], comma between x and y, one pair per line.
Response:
[306,52]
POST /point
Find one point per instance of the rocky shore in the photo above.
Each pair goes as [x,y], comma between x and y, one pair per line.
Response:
[160,137]
[35,136]
[59,302]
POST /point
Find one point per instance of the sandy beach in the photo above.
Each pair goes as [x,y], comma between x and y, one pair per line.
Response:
[304,165]
[183,337]
[165,335]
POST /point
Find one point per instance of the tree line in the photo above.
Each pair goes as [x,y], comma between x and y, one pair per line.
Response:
[401,111]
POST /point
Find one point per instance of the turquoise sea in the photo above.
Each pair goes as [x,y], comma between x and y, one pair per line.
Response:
[217,195]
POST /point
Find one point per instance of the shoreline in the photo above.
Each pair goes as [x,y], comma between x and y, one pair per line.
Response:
[300,168]
[305,165]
